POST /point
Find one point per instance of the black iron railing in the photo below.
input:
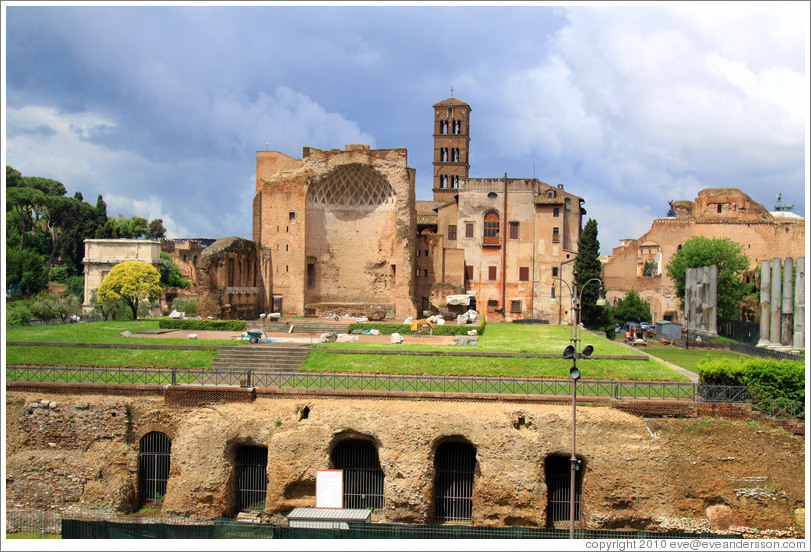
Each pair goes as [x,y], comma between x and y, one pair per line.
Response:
[379,382]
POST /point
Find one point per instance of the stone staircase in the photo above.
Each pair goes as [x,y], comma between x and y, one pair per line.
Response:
[263,356]
[320,327]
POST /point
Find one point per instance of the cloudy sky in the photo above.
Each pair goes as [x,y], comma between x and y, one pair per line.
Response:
[161,108]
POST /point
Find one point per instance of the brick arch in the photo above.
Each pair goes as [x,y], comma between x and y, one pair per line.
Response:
[166,429]
[353,185]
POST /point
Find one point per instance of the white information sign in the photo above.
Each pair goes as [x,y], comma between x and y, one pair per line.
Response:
[329,489]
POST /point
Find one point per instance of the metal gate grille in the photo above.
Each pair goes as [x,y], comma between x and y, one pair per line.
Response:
[455,464]
[363,477]
[558,487]
[252,478]
[156,451]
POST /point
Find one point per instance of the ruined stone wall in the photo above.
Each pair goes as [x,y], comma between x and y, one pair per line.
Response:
[637,474]
[746,223]
[340,227]
[229,281]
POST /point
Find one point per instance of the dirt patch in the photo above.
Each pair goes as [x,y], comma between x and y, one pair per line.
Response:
[280,337]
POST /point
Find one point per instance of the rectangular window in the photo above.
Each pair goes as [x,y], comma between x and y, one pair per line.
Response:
[492,272]
[492,305]
[469,272]
[515,306]
[555,235]
[451,232]
[513,230]
[556,212]
[468,229]
[425,272]
[310,276]
[292,216]
[417,272]
[418,252]
[554,272]
[523,274]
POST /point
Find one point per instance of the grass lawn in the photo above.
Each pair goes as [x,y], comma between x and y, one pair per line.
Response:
[689,358]
[519,338]
[104,332]
[87,356]
[509,338]
[318,361]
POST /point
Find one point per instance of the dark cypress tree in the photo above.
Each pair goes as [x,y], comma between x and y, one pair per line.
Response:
[588,266]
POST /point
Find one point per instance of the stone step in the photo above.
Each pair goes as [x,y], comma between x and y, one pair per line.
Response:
[317,328]
[260,357]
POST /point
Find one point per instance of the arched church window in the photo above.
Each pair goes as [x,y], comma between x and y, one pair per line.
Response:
[492,226]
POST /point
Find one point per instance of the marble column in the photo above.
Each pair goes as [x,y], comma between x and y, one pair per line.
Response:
[765,291]
[712,300]
[787,310]
[799,305]
[774,322]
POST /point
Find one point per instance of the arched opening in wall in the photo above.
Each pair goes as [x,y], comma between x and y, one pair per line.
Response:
[153,466]
[454,468]
[558,473]
[363,476]
[492,226]
[251,478]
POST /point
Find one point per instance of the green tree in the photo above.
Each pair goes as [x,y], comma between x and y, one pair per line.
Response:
[155,230]
[732,264]
[132,281]
[587,266]
[23,202]
[27,268]
[170,274]
[630,308]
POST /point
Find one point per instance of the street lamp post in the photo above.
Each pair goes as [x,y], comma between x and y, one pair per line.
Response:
[571,351]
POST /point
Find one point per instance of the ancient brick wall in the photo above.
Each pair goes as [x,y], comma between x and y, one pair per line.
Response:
[340,228]
[230,280]
[739,219]
[638,473]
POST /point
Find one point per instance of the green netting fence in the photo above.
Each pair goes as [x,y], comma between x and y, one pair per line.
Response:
[229,529]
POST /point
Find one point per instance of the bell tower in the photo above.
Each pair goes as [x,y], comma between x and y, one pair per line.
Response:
[451,146]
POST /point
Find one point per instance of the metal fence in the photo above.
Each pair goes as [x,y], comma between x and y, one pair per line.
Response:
[380,382]
[747,349]
[739,330]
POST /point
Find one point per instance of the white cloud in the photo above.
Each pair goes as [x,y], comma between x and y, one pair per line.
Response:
[647,104]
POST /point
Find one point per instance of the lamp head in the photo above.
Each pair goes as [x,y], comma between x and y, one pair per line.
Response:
[601,302]
[568,352]
[587,350]
[574,373]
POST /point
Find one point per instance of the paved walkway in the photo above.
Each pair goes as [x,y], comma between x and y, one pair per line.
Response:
[691,375]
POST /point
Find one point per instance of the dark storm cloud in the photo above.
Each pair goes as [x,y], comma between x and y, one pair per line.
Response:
[161,109]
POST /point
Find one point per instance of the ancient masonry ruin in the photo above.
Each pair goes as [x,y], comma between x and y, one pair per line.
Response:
[701,301]
[782,304]
[90,453]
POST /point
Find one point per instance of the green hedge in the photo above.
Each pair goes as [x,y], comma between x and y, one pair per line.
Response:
[185,324]
[767,379]
[405,329]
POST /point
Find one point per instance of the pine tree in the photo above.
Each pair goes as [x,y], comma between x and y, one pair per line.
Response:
[587,266]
